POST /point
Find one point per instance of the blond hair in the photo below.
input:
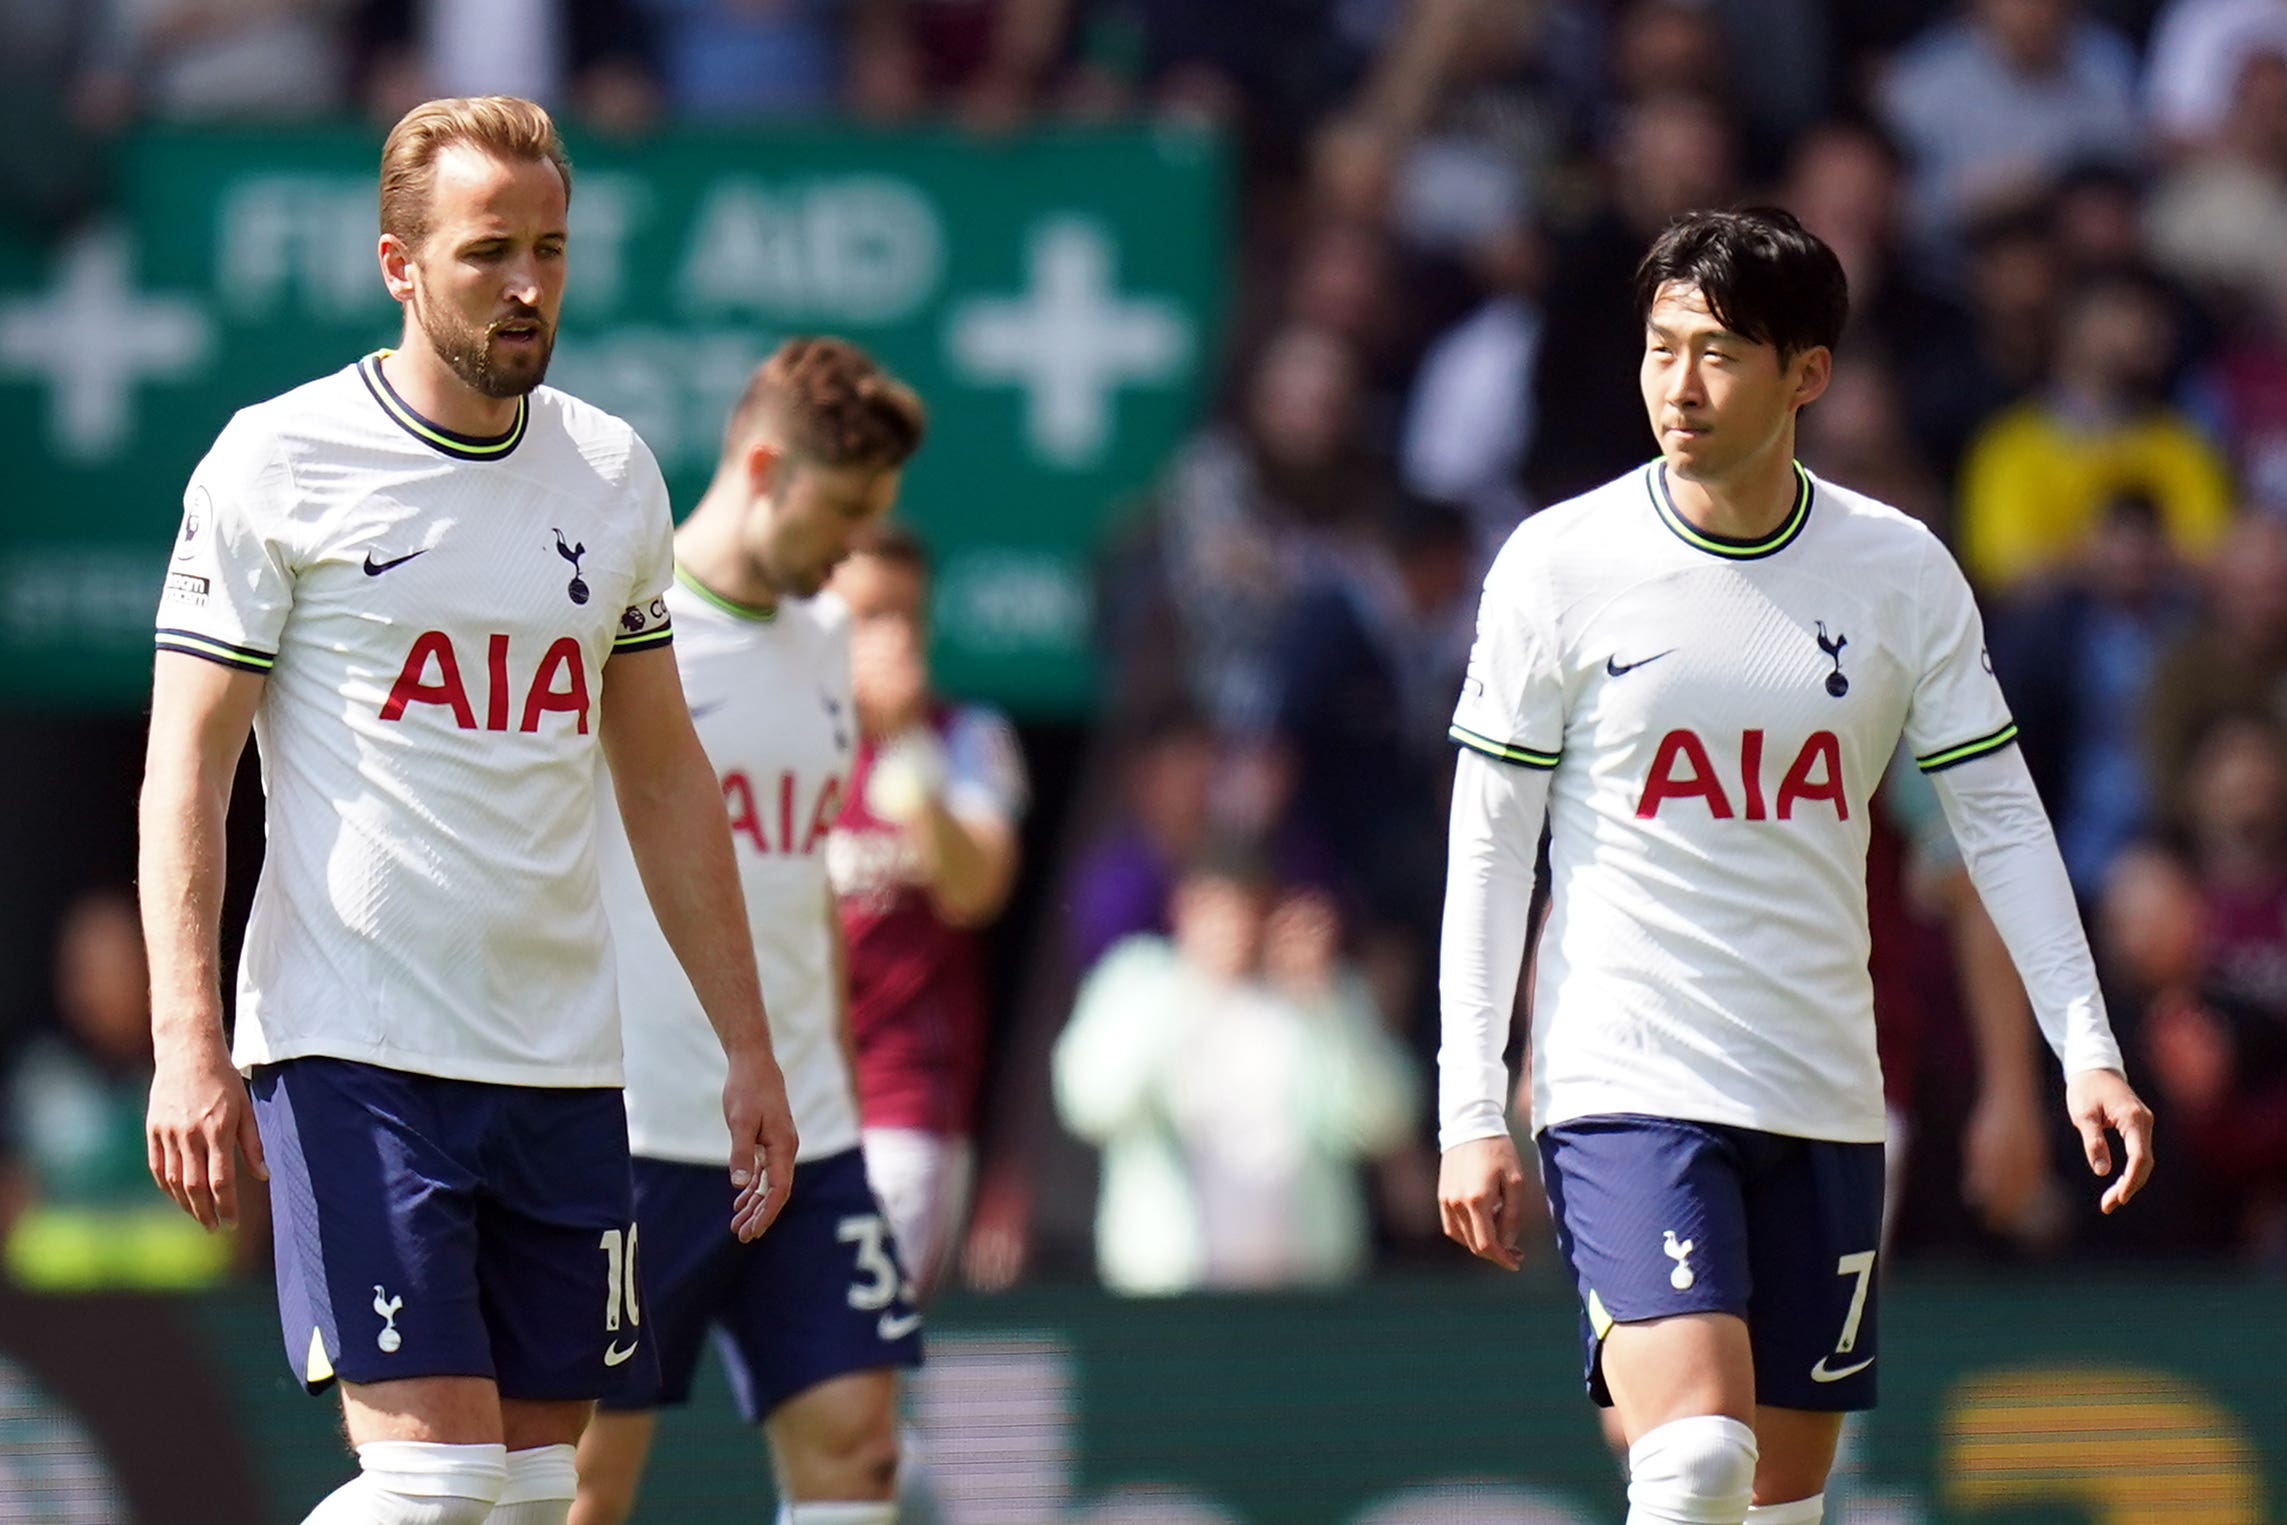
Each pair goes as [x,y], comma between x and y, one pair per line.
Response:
[505,126]
[830,402]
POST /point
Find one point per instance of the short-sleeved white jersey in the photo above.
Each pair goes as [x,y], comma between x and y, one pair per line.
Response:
[434,613]
[1715,715]
[770,695]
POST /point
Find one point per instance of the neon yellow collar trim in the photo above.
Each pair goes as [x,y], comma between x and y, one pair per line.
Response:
[1656,481]
[731,607]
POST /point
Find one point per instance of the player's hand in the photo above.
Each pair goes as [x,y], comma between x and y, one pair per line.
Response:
[2098,1100]
[199,1121]
[1481,1198]
[763,1141]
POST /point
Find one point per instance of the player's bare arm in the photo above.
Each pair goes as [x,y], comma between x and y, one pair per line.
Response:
[971,861]
[673,808]
[200,1117]
[970,858]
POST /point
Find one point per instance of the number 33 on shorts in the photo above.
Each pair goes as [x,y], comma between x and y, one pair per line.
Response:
[1836,1365]
[880,1281]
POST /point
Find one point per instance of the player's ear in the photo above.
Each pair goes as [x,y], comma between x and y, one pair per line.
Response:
[396,266]
[763,462]
[1814,368]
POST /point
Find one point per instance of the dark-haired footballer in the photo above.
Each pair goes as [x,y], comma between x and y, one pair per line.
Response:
[1697,673]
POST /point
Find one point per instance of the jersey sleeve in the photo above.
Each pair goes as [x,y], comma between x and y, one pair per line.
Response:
[984,767]
[1512,697]
[230,585]
[645,623]
[1957,711]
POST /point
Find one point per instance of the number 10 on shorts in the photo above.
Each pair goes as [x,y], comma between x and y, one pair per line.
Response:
[619,1279]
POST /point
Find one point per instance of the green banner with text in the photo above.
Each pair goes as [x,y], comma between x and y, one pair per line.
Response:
[2048,1397]
[1055,297]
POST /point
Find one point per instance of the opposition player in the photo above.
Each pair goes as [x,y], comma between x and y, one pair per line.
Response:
[433,587]
[923,857]
[815,1319]
[1698,673]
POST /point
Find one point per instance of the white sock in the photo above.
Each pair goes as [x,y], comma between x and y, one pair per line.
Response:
[542,1482]
[417,1482]
[1696,1471]
[839,1512]
[1808,1511]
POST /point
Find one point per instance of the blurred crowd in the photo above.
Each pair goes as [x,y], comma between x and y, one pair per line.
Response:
[2065,226]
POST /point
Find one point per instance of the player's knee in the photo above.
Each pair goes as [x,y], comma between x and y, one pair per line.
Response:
[853,1459]
[414,1482]
[1696,1471]
[866,1461]
[604,1499]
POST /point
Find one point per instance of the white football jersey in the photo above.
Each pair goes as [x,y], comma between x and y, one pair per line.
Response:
[1715,715]
[770,695]
[434,613]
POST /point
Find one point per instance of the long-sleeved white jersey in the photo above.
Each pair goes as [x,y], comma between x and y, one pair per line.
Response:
[1703,721]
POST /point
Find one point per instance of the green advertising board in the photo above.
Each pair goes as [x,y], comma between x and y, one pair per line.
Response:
[1053,296]
[2058,1396]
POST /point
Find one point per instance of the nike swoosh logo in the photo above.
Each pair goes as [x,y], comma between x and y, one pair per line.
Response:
[1615,668]
[896,1326]
[613,1355]
[376,568]
[1819,1373]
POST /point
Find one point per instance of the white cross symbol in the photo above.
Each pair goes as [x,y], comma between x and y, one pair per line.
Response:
[1070,341]
[92,337]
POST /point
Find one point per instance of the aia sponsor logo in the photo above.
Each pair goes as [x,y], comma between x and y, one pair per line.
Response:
[1683,769]
[513,695]
[769,820]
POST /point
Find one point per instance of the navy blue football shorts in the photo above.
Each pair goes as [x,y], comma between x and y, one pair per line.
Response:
[821,1294]
[1658,1217]
[447,1228]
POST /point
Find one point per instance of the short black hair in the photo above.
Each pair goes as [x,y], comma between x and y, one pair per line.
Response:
[1766,277]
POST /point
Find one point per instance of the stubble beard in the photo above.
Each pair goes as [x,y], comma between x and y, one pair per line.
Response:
[468,352]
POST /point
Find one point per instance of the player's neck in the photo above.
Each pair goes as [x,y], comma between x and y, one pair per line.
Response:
[428,386]
[1748,504]
[707,548]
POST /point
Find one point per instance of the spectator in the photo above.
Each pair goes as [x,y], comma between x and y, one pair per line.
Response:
[49,163]
[1123,882]
[985,61]
[1469,421]
[2096,208]
[1955,377]
[1251,506]
[2233,662]
[94,1220]
[2077,663]
[1993,105]
[1366,664]
[1845,181]
[590,53]
[2199,48]
[923,858]
[2203,932]
[1234,1075]
[1857,435]
[210,60]
[1671,153]
[2041,472]
[2219,221]
[2247,389]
